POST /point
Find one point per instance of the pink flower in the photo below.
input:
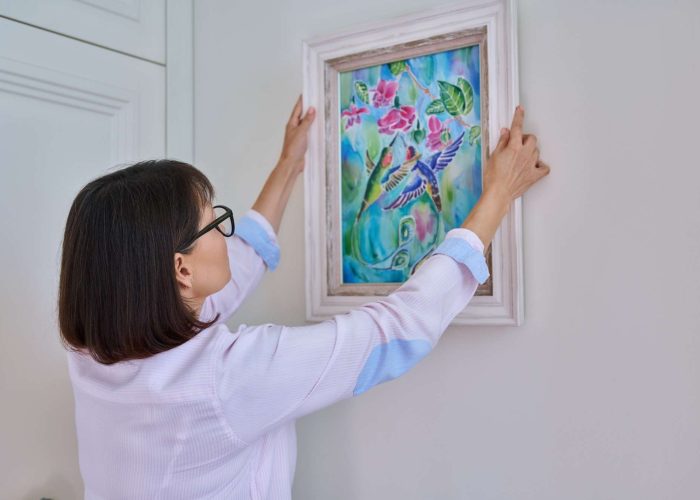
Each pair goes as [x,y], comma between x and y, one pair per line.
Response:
[397,119]
[435,128]
[384,93]
[353,115]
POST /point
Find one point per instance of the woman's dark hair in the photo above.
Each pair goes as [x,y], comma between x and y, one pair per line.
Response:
[118,297]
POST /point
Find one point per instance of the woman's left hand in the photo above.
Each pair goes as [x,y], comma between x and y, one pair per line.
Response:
[295,137]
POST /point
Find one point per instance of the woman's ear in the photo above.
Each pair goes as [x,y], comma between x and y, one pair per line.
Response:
[183,274]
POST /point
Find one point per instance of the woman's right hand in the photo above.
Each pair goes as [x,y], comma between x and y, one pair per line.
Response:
[515,164]
[513,167]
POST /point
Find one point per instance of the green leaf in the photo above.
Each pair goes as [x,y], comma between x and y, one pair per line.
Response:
[397,67]
[435,107]
[400,260]
[373,145]
[468,92]
[407,229]
[474,134]
[412,93]
[452,97]
[445,136]
[418,135]
[361,91]
[396,102]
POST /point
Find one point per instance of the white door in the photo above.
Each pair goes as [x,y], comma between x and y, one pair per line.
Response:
[68,111]
[132,26]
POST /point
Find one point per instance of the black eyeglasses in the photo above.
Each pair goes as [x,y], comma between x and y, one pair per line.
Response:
[223,223]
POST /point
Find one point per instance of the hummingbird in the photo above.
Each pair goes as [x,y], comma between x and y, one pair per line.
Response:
[421,175]
[379,175]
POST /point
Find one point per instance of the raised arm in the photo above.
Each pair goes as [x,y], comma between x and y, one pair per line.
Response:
[270,374]
[254,246]
[513,167]
[252,249]
[274,196]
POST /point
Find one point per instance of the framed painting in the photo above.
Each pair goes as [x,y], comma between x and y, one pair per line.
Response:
[396,154]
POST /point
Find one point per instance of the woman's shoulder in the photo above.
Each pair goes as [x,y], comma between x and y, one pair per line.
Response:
[183,371]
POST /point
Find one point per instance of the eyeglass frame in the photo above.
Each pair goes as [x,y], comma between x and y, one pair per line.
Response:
[214,224]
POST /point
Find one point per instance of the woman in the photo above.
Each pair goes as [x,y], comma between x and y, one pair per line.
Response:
[172,404]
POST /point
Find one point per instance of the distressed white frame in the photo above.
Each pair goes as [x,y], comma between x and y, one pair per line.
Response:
[505,305]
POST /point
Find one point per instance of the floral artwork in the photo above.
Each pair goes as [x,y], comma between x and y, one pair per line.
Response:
[410,153]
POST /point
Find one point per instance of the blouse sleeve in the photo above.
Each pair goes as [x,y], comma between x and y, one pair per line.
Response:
[252,249]
[269,374]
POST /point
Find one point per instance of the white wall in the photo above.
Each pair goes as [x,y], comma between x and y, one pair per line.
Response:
[598,394]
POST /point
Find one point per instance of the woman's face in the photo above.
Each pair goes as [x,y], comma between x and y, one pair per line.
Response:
[206,269]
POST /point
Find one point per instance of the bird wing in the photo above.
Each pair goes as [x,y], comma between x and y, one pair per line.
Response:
[395,175]
[441,159]
[434,190]
[413,189]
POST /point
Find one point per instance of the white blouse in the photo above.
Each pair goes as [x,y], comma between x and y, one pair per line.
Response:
[214,417]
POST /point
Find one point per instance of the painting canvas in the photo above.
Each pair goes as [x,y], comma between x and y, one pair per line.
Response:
[410,159]
[397,152]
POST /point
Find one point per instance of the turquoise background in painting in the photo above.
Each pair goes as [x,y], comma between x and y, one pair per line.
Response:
[377,231]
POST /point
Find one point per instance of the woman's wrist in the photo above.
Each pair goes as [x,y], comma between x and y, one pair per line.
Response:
[286,171]
[272,200]
[290,167]
[487,214]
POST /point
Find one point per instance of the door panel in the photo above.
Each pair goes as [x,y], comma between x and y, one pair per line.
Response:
[69,111]
[132,26]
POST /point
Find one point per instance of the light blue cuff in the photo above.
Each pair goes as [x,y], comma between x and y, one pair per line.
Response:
[461,251]
[255,235]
